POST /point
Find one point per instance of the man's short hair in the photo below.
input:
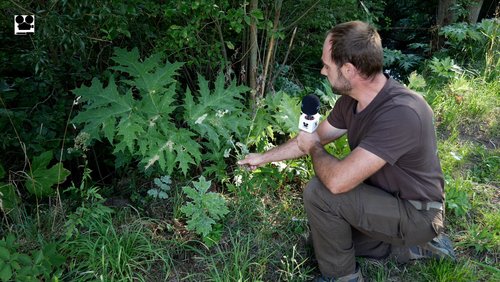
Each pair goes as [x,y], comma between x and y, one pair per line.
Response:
[357,43]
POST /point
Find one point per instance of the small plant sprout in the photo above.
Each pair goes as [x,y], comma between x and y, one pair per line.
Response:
[204,208]
[162,187]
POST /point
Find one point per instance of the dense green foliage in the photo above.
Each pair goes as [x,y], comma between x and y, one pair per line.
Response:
[122,122]
[41,264]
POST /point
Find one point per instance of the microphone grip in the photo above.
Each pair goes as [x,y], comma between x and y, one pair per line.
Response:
[309,123]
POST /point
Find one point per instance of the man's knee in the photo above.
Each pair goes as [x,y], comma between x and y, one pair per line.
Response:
[310,193]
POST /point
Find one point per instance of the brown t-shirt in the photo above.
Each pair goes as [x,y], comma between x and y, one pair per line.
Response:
[398,127]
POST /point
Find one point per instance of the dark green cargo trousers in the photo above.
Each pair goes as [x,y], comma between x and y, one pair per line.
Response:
[366,221]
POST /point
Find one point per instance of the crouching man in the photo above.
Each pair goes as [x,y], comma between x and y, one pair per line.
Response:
[386,198]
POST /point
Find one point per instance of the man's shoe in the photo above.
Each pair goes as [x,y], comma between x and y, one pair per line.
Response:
[355,277]
[440,247]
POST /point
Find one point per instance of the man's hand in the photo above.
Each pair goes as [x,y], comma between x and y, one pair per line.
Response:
[252,161]
[306,141]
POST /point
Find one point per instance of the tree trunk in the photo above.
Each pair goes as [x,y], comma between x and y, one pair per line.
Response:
[474,9]
[252,64]
[445,16]
[270,50]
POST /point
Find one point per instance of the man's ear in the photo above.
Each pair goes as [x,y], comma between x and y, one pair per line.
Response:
[349,70]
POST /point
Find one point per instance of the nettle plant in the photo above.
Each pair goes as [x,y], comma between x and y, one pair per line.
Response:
[139,114]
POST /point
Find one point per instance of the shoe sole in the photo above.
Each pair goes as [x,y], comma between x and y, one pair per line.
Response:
[440,252]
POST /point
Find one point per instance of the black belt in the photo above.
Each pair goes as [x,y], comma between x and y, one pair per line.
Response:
[427,205]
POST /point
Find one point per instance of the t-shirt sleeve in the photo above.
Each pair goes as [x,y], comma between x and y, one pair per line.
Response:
[393,134]
[336,116]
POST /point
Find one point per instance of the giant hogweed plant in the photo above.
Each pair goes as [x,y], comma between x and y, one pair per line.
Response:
[141,115]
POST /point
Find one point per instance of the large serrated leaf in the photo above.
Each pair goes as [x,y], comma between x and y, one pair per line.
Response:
[288,112]
[187,150]
[150,75]
[217,113]
[129,62]
[131,129]
[104,106]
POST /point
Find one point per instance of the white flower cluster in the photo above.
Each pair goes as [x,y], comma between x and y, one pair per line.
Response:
[238,179]
[281,166]
[220,113]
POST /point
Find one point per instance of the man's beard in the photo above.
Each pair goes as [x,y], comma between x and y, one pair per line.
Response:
[343,87]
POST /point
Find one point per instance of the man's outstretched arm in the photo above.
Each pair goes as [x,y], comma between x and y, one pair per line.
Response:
[286,151]
[290,150]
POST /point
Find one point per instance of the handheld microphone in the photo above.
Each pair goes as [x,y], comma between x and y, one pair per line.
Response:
[310,117]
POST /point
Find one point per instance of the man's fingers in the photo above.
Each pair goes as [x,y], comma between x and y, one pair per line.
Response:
[244,162]
[250,162]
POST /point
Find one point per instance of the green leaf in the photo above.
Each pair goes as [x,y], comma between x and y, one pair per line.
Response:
[15,265]
[203,185]
[201,223]
[104,106]
[257,14]
[42,178]
[217,205]
[4,253]
[247,19]
[25,259]
[164,184]
[11,240]
[38,257]
[153,193]
[166,180]
[149,75]
[131,128]
[8,197]
[288,112]
[158,182]
[6,273]
[190,192]
[162,195]
[50,252]
[187,150]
